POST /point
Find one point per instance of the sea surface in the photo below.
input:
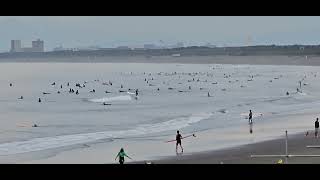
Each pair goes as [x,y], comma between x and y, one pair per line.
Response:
[66,120]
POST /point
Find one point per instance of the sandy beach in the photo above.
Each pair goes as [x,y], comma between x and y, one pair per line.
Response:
[241,154]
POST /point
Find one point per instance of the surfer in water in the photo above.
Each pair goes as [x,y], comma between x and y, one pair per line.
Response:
[20,97]
[178,139]
[136,92]
[250,117]
[39,100]
[121,156]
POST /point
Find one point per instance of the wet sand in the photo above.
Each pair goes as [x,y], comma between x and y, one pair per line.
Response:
[241,154]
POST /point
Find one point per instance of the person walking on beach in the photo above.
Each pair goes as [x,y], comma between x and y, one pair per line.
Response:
[178,139]
[121,156]
[316,125]
[250,117]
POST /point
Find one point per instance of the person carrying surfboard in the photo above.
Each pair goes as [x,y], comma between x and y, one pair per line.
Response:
[121,156]
[178,139]
[250,117]
[316,125]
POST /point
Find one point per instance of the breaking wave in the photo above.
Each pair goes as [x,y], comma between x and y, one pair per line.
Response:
[44,143]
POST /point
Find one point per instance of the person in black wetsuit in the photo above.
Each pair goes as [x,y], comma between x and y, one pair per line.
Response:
[136,92]
[316,125]
[178,139]
[250,117]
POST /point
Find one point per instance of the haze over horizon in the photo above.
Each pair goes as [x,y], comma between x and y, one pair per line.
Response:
[112,31]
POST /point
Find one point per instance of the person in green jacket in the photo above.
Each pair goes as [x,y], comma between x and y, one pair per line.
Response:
[121,156]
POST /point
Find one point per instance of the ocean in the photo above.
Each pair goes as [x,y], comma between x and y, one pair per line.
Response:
[70,122]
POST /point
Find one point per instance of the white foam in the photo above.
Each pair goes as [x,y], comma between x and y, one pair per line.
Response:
[302,93]
[109,99]
[38,144]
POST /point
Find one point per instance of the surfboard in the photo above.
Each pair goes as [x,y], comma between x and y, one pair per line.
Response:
[255,114]
[192,135]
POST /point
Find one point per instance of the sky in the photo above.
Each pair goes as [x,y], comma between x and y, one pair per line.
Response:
[113,31]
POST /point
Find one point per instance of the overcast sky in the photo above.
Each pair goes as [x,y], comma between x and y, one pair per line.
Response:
[109,31]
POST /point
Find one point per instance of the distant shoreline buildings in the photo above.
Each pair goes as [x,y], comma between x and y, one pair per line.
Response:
[37,46]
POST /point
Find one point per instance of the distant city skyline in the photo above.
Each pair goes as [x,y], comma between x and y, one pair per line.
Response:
[113,31]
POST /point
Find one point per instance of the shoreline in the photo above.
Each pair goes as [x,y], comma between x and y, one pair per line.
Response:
[241,154]
[209,149]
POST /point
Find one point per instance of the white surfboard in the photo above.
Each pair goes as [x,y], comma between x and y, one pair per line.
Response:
[131,93]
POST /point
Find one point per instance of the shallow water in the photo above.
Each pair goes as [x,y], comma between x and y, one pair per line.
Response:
[68,119]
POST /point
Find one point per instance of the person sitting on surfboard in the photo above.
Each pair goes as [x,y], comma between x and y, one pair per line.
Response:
[178,139]
[121,156]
